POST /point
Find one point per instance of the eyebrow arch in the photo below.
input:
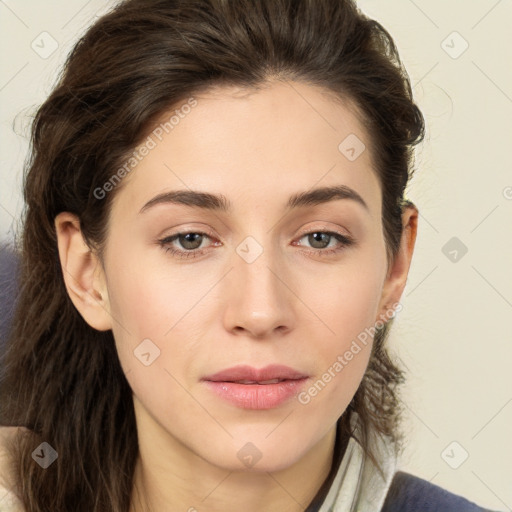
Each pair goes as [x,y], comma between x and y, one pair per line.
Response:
[220,203]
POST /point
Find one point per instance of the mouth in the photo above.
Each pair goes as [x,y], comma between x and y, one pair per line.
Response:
[249,388]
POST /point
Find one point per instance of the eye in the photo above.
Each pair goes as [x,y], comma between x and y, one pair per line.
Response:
[320,241]
[190,241]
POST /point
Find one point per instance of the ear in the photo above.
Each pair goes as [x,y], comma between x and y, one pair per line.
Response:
[83,273]
[399,269]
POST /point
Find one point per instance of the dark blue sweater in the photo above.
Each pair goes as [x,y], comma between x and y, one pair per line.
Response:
[409,493]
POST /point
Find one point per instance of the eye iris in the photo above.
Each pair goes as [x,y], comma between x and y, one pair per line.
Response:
[312,239]
[185,240]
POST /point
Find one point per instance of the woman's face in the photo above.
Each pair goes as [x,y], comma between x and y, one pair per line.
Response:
[251,284]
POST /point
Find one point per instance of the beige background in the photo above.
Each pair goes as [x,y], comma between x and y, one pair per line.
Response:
[454,333]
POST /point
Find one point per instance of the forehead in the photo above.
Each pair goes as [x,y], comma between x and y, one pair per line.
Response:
[254,147]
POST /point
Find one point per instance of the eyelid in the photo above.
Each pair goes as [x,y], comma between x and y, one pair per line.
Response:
[187,229]
[325,229]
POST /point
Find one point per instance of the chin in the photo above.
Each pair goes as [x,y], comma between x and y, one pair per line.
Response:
[253,458]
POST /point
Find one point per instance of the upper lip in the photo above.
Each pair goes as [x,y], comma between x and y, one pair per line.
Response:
[243,372]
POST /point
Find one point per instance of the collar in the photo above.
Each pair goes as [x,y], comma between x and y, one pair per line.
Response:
[358,486]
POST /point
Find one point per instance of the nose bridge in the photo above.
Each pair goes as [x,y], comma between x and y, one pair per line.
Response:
[255,270]
[259,298]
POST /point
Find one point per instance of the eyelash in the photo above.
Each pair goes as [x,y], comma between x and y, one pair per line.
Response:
[345,240]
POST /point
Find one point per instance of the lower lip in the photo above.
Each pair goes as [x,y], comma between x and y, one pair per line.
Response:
[257,396]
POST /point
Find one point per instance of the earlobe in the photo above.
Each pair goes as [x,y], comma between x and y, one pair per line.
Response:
[82,272]
[399,269]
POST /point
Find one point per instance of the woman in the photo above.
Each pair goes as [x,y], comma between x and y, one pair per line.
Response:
[215,245]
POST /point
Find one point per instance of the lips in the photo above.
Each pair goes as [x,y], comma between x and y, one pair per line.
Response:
[243,374]
[249,388]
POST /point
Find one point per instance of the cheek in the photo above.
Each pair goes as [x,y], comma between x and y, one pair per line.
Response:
[156,310]
[347,306]
[149,313]
[138,308]
[149,299]
[345,301]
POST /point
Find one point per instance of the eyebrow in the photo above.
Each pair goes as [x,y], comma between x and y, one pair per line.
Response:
[220,203]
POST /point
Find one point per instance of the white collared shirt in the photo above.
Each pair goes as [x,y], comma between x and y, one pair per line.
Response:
[358,486]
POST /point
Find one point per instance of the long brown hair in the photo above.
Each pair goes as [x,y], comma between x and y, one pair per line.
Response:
[62,379]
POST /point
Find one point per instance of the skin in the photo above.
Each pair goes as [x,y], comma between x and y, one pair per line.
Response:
[291,305]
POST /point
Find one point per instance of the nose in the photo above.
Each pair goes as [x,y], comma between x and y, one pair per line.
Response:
[259,300]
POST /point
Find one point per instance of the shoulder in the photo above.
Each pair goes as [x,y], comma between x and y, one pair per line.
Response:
[409,492]
[8,500]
